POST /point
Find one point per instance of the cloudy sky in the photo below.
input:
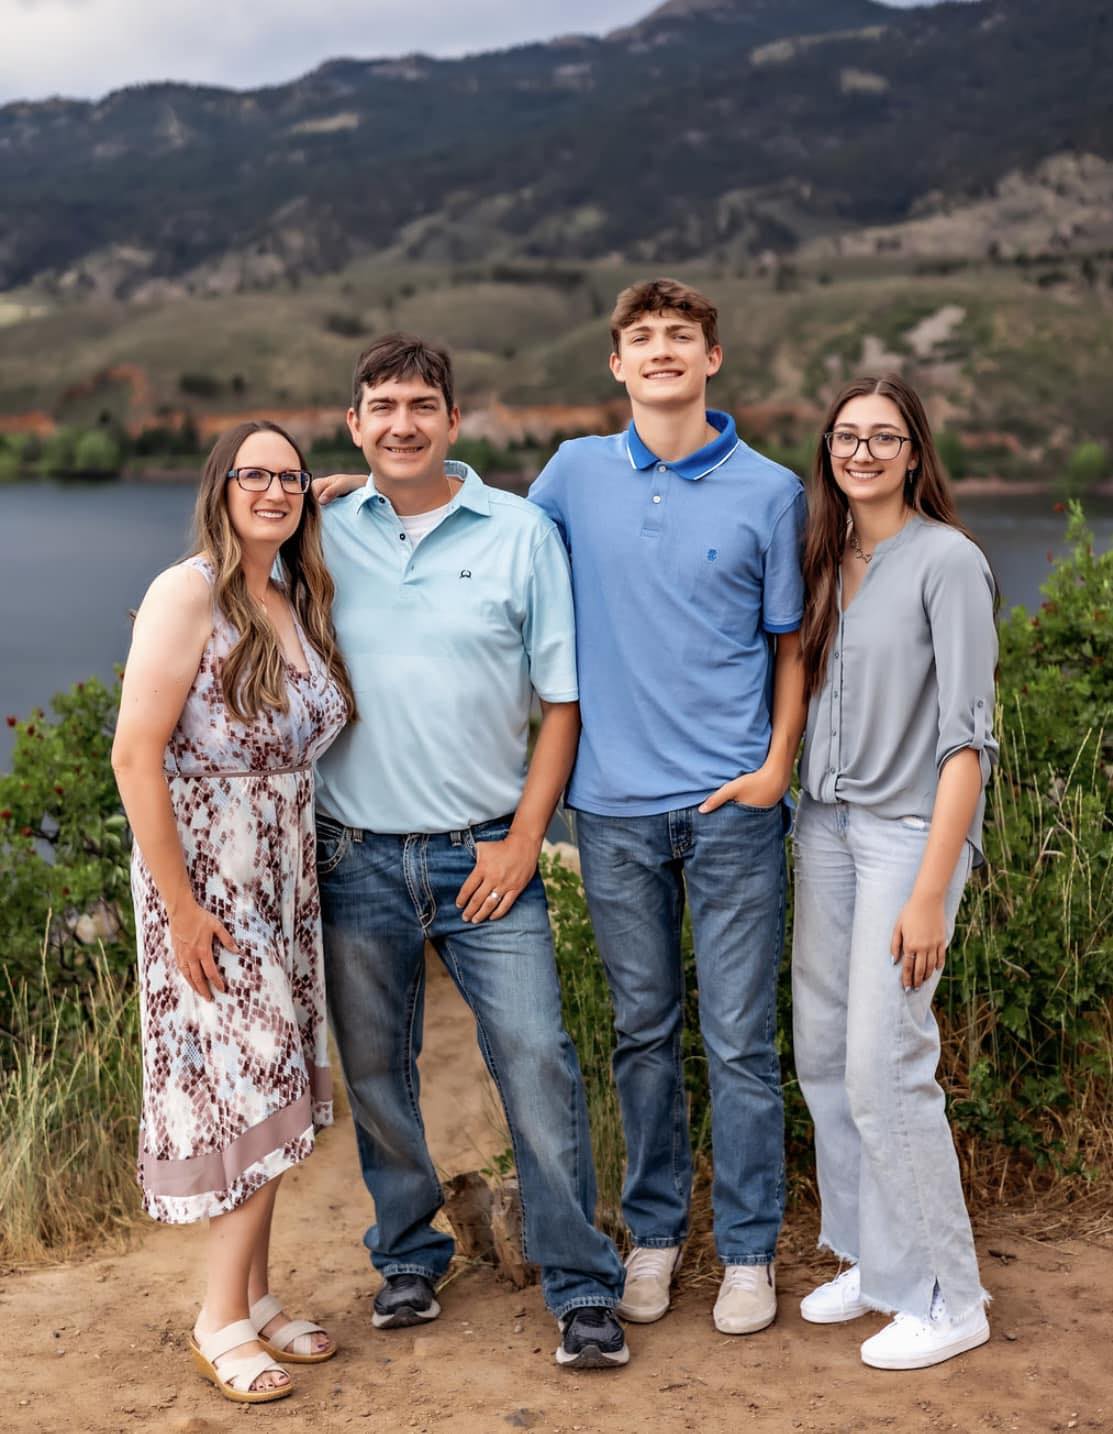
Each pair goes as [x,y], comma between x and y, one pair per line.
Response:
[84,48]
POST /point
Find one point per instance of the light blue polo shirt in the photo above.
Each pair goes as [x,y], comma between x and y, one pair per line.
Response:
[681,572]
[446,646]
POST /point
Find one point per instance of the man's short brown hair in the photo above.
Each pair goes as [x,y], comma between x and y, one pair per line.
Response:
[403,356]
[658,296]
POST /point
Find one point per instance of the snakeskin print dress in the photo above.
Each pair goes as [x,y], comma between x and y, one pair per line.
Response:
[234,1089]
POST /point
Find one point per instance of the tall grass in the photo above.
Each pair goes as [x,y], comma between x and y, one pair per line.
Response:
[70,1089]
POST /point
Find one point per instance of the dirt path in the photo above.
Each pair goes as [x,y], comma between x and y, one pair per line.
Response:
[100,1346]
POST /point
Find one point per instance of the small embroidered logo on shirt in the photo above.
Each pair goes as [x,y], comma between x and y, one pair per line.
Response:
[465,572]
[712,554]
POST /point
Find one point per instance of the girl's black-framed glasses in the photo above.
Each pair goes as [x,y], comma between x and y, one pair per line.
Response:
[258,480]
[842,443]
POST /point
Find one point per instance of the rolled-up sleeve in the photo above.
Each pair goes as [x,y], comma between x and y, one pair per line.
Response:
[959,601]
[549,630]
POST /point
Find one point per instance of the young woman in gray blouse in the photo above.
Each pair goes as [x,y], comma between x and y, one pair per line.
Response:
[899,647]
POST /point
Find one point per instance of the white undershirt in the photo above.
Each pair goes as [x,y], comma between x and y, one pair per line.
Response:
[420,525]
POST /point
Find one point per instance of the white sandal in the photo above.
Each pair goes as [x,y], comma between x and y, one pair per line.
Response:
[236,1376]
[284,1342]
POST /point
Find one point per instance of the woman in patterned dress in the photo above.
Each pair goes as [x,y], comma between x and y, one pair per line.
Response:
[233,687]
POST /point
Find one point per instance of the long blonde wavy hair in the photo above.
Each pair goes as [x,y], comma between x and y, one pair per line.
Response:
[253,676]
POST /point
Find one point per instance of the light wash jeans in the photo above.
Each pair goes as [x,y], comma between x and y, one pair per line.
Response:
[382,897]
[730,866]
[866,1054]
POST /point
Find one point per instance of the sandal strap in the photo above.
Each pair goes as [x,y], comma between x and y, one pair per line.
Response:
[213,1346]
[241,1374]
[286,1334]
[264,1310]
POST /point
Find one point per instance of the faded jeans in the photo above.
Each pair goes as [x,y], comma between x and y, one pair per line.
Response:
[866,1055]
[730,867]
[382,897]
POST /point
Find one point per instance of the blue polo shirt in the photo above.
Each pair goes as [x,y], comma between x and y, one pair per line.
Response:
[446,645]
[681,572]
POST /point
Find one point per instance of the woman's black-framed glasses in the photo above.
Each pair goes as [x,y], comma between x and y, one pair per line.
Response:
[258,480]
[842,443]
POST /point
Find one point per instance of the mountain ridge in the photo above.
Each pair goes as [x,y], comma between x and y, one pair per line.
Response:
[711,128]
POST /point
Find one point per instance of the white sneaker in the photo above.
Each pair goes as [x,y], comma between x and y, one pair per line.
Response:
[835,1302]
[747,1299]
[649,1272]
[911,1343]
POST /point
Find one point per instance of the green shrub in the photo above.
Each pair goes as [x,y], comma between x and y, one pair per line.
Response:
[1087,466]
[97,451]
[62,850]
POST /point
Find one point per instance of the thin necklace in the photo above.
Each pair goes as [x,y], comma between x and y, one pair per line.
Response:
[856,545]
[867,558]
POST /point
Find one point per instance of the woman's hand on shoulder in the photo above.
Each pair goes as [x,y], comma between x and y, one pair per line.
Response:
[337,485]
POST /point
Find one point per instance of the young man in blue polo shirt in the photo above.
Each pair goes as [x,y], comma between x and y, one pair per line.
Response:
[685,548]
[453,607]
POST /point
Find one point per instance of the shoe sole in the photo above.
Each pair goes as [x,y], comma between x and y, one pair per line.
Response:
[642,1316]
[237,1396]
[405,1317]
[592,1357]
[834,1318]
[751,1328]
[972,1341]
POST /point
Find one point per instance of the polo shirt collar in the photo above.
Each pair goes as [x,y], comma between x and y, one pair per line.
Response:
[473,495]
[696,465]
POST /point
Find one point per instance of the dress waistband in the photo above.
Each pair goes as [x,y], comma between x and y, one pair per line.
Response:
[256,772]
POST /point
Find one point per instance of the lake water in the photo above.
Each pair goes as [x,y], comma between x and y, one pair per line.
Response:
[74,558]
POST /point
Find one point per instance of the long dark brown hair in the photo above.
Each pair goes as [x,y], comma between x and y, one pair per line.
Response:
[253,676]
[927,491]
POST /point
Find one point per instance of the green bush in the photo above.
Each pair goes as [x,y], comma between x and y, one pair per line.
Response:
[1087,466]
[62,850]
[97,451]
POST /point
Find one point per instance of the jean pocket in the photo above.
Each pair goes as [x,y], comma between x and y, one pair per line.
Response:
[333,841]
[757,811]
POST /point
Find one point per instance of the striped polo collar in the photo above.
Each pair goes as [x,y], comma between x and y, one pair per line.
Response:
[696,465]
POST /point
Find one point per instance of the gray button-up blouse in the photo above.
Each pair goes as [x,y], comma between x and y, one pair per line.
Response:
[909,678]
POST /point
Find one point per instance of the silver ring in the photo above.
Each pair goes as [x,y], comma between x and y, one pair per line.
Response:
[493,896]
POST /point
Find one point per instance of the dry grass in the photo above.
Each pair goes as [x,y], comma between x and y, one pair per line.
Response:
[70,1091]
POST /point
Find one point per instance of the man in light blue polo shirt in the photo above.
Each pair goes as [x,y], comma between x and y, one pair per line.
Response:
[685,548]
[453,608]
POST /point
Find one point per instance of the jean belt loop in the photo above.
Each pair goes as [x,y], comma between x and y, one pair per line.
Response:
[457,837]
[356,834]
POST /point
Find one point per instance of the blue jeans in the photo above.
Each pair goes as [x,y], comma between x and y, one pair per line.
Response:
[382,898]
[730,865]
[866,1054]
